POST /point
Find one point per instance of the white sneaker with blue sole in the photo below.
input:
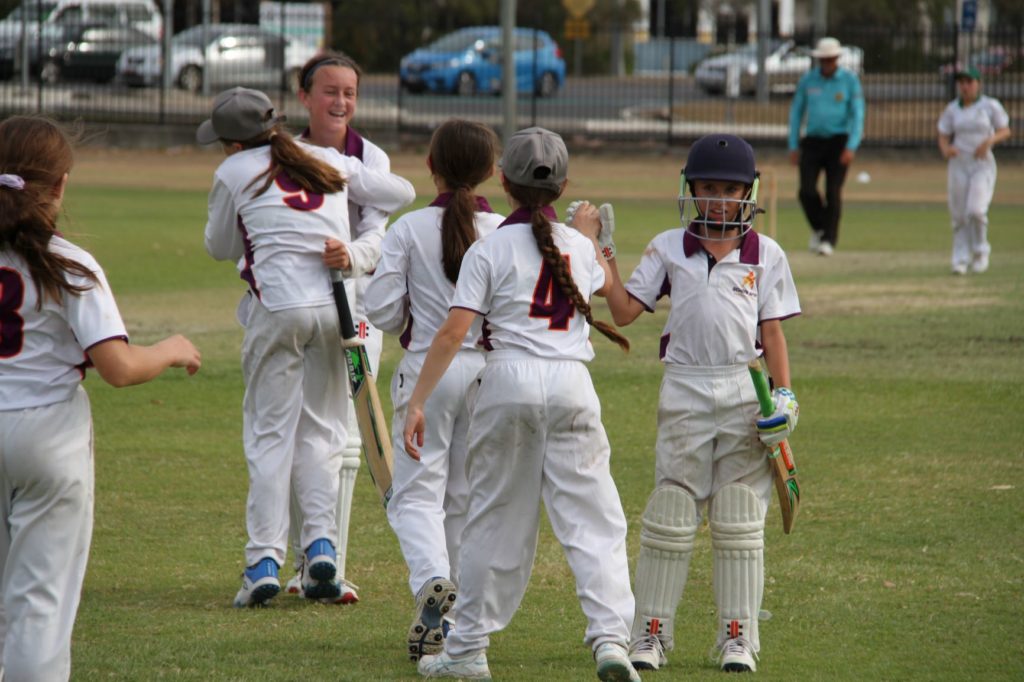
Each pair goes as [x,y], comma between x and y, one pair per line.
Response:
[259,584]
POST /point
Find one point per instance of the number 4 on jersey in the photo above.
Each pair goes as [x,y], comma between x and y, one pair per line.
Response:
[550,301]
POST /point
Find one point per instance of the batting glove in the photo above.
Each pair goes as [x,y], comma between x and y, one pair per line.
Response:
[777,428]
[605,243]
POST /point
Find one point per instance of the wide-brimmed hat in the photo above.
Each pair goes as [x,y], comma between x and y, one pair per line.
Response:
[827,48]
[239,114]
[970,72]
[535,157]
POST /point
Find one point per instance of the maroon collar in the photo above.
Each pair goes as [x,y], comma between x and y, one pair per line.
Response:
[749,247]
[444,198]
[353,142]
[524,214]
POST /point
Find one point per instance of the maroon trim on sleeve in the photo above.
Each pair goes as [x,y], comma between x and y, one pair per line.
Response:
[472,310]
[750,249]
[109,338]
[780,319]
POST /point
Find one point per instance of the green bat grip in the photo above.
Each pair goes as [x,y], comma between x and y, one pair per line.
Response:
[764,393]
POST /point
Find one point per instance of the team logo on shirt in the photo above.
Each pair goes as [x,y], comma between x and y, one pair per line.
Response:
[839,97]
[748,285]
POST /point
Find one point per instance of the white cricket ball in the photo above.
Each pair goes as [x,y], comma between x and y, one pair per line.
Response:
[863,177]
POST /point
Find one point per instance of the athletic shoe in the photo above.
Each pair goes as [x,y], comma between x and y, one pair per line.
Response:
[259,584]
[426,634]
[320,568]
[613,664]
[959,269]
[471,667]
[294,584]
[647,653]
[979,263]
[737,656]
[814,242]
[825,249]
[346,593]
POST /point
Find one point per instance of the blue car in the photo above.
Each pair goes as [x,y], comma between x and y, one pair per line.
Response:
[469,61]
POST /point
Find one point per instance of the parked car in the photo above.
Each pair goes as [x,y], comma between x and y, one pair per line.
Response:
[224,55]
[86,52]
[469,61]
[991,61]
[785,64]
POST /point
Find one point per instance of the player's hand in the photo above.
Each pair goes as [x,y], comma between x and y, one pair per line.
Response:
[414,426]
[336,255]
[593,222]
[777,428]
[794,158]
[846,157]
[982,151]
[184,353]
[950,152]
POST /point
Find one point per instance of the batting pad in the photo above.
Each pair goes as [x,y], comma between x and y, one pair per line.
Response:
[666,542]
[346,487]
[737,541]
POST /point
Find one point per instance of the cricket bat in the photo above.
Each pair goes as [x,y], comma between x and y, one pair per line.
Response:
[781,458]
[373,429]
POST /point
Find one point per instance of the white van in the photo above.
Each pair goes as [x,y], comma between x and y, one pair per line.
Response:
[143,15]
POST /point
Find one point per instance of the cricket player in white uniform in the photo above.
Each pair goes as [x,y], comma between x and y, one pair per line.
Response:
[275,202]
[330,91]
[730,288]
[535,433]
[57,318]
[968,129]
[409,295]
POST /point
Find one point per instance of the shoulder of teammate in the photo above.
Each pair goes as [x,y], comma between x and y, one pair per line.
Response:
[375,157]
[63,247]
[487,223]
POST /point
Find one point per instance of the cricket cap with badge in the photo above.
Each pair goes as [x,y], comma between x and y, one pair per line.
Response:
[535,157]
[239,114]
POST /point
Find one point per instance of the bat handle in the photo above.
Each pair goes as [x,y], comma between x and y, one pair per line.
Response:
[764,393]
[348,327]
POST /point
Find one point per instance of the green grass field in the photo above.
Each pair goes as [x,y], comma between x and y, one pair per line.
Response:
[906,561]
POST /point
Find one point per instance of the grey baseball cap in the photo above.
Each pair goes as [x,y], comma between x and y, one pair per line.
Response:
[535,157]
[239,114]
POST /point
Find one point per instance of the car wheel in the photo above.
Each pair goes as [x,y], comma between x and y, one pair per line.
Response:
[50,73]
[465,84]
[191,78]
[547,85]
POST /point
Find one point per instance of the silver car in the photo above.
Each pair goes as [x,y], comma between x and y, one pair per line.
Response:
[736,72]
[224,55]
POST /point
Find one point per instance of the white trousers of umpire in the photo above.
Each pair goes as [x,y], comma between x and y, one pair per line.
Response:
[707,438]
[294,416]
[46,496]
[970,185]
[430,497]
[536,434]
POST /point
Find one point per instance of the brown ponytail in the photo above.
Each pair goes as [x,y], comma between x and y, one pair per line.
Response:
[462,154]
[37,150]
[307,171]
[535,198]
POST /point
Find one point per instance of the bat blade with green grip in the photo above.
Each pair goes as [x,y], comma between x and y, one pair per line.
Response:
[781,458]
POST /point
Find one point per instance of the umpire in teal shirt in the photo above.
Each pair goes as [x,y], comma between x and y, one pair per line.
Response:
[831,99]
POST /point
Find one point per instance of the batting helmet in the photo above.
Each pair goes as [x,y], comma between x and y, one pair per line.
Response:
[725,158]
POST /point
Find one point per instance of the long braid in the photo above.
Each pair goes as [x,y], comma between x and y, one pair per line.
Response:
[542,234]
[307,171]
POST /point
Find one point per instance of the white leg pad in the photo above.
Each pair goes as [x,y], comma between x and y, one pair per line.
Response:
[670,523]
[736,518]
[349,468]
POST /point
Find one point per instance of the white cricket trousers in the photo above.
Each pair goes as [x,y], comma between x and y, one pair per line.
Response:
[536,434]
[970,185]
[430,497]
[707,437]
[294,416]
[46,494]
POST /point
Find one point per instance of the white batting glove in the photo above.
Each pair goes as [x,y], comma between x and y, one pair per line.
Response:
[605,243]
[777,428]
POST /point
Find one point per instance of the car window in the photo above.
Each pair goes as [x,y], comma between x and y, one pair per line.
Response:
[138,13]
[455,42]
[195,36]
[106,14]
[72,14]
[42,12]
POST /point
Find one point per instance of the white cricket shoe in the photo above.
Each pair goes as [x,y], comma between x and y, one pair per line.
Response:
[426,634]
[647,653]
[319,568]
[259,584]
[979,263]
[959,269]
[814,242]
[825,249]
[737,656]
[613,664]
[469,667]
[294,584]
[346,593]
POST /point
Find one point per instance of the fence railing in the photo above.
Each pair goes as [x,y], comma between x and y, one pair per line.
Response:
[670,93]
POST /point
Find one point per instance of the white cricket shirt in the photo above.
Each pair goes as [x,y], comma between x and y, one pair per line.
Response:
[409,288]
[715,309]
[504,278]
[281,233]
[972,125]
[42,352]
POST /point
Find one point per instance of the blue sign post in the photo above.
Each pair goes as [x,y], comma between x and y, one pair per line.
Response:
[968,15]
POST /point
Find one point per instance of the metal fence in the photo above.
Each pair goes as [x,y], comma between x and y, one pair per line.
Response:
[662,98]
